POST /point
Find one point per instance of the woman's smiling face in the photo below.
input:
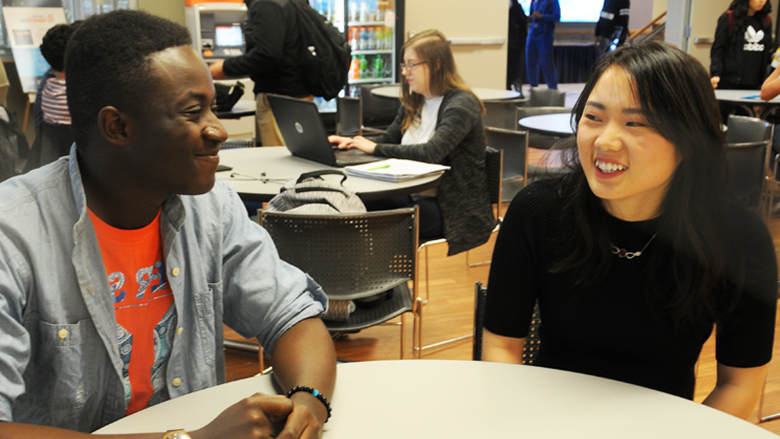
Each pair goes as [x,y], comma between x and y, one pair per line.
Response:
[627,163]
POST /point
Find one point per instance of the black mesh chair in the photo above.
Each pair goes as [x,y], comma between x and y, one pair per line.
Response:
[749,142]
[546,97]
[366,257]
[531,345]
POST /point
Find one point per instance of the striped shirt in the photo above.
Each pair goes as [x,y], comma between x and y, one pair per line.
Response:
[54,102]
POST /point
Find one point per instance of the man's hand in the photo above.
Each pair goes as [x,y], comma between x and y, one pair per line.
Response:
[256,417]
[216,70]
[537,14]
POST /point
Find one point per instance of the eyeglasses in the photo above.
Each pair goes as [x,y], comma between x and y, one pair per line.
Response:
[410,66]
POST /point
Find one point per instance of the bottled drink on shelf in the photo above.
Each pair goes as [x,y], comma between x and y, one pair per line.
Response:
[353,11]
[363,67]
[364,38]
[388,38]
[381,7]
[363,11]
[380,37]
[379,67]
[354,38]
[371,44]
[354,68]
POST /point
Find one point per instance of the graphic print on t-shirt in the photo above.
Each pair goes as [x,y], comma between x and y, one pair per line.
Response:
[143,306]
[753,40]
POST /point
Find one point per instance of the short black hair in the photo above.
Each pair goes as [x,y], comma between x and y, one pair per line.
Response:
[54,44]
[107,63]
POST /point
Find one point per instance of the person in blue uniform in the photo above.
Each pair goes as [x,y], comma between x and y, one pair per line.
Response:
[538,46]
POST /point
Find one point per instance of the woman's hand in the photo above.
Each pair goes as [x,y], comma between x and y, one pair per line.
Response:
[714,81]
[358,142]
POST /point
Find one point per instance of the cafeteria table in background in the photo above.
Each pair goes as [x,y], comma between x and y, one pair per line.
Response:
[749,101]
[258,174]
[558,124]
[468,399]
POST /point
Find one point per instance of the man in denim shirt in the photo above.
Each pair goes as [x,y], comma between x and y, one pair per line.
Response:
[141,101]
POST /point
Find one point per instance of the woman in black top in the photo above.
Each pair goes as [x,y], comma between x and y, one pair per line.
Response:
[636,254]
[743,47]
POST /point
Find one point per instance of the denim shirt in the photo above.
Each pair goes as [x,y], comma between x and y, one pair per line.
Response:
[59,361]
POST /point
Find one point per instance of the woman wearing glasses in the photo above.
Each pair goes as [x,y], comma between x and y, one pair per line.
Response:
[636,253]
[440,121]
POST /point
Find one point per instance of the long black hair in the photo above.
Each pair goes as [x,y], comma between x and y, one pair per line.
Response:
[675,93]
[741,18]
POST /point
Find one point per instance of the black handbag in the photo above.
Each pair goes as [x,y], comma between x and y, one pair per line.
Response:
[228,95]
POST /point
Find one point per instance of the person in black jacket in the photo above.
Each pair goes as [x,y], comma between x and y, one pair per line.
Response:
[271,60]
[614,15]
[743,46]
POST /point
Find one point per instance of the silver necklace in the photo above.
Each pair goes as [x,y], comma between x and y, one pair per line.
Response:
[622,253]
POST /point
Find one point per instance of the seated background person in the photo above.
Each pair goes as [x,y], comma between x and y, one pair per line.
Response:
[440,121]
[54,101]
[635,254]
[121,262]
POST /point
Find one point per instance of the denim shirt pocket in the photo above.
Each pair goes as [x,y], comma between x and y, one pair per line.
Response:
[207,303]
[61,378]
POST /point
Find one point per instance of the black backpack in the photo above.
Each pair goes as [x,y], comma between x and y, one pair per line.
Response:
[14,148]
[325,54]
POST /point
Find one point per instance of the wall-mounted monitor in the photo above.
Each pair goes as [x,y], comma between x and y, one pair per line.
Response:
[229,36]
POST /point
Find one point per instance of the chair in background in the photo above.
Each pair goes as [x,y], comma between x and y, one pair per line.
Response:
[546,97]
[52,141]
[493,174]
[349,117]
[501,114]
[531,345]
[356,257]
[378,112]
[749,142]
[516,170]
[349,112]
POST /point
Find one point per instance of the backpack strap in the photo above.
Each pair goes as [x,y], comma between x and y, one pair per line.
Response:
[731,20]
[315,174]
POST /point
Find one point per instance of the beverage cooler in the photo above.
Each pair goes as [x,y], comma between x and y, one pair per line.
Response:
[374,29]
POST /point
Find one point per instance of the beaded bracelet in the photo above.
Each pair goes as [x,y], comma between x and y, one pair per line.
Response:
[316,393]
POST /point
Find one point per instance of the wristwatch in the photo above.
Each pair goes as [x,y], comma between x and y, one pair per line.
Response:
[176,434]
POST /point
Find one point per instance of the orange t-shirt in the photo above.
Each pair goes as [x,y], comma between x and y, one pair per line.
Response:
[143,305]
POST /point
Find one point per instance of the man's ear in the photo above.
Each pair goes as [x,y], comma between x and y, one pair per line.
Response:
[113,125]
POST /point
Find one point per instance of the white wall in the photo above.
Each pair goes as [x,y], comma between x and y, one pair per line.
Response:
[479,65]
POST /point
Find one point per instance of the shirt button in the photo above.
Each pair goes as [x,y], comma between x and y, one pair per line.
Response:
[179,331]
[63,334]
[175,271]
[176,382]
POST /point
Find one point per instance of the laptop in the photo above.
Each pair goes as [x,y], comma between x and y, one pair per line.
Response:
[302,130]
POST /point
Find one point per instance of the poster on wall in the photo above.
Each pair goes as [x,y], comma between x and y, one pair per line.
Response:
[26,28]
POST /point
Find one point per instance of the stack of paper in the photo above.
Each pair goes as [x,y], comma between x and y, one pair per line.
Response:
[395,170]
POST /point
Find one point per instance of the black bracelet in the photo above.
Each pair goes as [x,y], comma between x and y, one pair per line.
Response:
[317,394]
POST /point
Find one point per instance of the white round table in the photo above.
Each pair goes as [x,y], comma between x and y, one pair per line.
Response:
[469,399]
[749,101]
[558,124]
[279,166]
[484,94]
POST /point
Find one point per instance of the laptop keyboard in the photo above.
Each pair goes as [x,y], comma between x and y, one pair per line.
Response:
[353,157]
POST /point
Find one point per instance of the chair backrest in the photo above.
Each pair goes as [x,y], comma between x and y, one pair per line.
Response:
[514,144]
[349,112]
[501,114]
[494,169]
[378,112]
[531,340]
[744,129]
[350,255]
[546,97]
[749,142]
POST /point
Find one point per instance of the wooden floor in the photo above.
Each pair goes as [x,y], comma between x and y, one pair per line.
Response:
[449,314]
